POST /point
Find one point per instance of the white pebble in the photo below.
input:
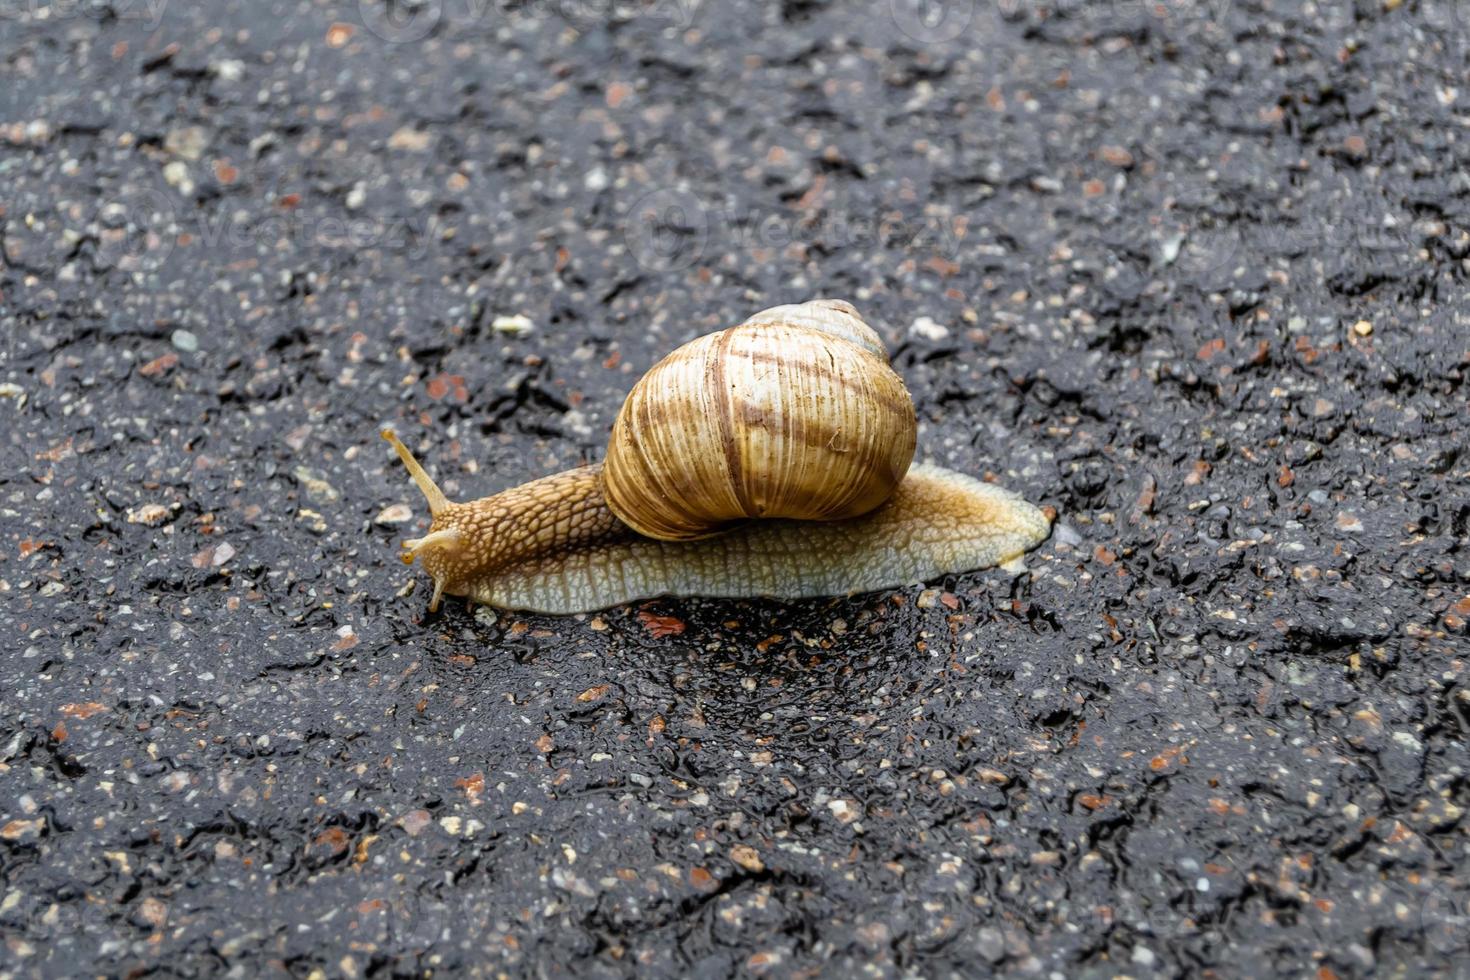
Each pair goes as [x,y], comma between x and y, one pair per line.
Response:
[928,329]
[1066,534]
[514,325]
[176,174]
[394,514]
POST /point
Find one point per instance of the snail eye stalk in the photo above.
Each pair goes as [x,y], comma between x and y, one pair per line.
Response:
[435,497]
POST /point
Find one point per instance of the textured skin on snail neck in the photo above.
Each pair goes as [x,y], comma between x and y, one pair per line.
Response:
[553,546]
[520,529]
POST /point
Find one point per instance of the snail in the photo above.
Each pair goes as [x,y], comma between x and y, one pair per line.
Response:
[769,459]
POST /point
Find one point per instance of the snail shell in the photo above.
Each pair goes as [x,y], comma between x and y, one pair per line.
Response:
[794,413]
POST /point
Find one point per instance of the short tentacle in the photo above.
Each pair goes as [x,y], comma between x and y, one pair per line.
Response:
[446,538]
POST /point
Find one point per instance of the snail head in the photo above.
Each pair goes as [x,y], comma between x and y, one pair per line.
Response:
[443,549]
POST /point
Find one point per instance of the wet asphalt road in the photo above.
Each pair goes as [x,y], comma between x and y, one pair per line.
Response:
[1192,274]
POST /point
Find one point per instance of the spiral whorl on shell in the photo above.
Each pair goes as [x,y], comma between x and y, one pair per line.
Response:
[794,413]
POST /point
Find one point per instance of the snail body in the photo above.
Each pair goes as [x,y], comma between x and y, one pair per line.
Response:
[553,545]
[770,459]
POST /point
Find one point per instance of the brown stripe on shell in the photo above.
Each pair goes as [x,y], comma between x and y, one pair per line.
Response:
[726,419]
[665,499]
